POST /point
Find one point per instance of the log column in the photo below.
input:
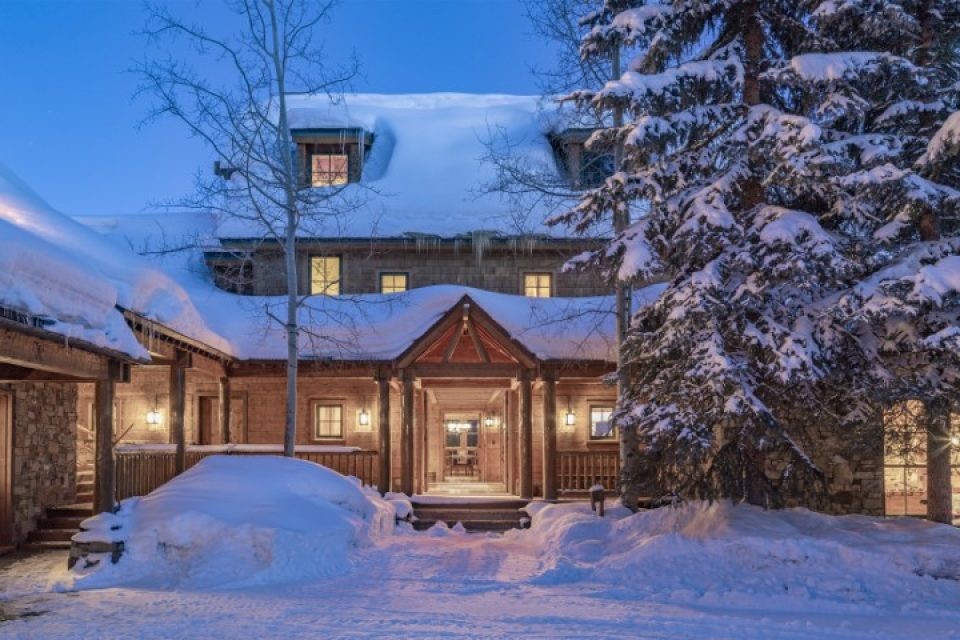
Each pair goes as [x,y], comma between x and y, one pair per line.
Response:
[178,390]
[383,426]
[406,435]
[550,437]
[526,436]
[104,488]
[224,399]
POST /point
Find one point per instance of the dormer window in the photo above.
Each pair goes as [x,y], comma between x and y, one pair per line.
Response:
[329,169]
[585,168]
[331,157]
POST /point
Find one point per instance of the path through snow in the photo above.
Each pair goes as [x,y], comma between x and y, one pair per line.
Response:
[419,586]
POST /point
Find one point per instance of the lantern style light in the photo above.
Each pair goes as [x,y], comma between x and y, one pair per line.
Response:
[363,418]
[955,441]
[570,418]
[153,417]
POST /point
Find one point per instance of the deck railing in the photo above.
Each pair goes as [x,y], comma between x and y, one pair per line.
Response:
[577,471]
[142,468]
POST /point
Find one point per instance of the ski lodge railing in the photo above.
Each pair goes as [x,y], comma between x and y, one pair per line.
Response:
[142,468]
[577,471]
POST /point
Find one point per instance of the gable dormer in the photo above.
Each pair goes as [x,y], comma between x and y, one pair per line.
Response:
[331,156]
[584,167]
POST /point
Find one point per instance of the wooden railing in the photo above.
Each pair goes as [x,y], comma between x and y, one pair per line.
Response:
[577,471]
[140,470]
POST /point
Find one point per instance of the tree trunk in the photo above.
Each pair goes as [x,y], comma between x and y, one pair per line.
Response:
[939,491]
[290,178]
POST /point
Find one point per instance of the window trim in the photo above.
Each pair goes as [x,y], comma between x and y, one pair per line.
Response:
[551,284]
[311,159]
[339,282]
[317,404]
[613,430]
[381,274]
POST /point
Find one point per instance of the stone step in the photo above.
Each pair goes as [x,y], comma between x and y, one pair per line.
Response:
[473,526]
[61,522]
[453,515]
[85,485]
[51,535]
[84,509]
[50,545]
[84,496]
[473,505]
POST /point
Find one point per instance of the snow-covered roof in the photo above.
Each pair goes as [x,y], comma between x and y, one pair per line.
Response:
[424,169]
[55,267]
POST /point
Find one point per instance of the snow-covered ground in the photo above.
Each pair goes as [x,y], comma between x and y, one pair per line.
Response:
[698,572]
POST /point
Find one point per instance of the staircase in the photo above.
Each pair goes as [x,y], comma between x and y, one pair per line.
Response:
[59,523]
[476,516]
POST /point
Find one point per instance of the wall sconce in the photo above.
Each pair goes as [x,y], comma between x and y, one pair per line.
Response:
[363,417]
[955,441]
[570,418]
[154,417]
[491,421]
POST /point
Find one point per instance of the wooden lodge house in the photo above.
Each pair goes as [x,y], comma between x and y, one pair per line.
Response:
[446,349]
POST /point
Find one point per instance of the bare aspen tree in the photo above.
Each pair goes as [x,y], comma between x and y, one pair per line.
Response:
[241,113]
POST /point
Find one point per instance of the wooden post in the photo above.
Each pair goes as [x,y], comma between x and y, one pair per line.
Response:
[424,444]
[526,436]
[939,493]
[383,425]
[406,436]
[104,480]
[550,437]
[224,410]
[178,389]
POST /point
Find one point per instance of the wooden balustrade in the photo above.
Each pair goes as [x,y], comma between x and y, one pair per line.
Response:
[577,471]
[140,471]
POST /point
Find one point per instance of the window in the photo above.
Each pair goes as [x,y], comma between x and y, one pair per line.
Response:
[327,421]
[601,426]
[325,275]
[394,282]
[905,460]
[538,285]
[595,168]
[329,169]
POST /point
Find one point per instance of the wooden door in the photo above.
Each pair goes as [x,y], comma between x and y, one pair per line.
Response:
[493,452]
[208,417]
[6,469]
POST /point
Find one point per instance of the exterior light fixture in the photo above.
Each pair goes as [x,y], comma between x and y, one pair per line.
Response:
[154,417]
[570,419]
[955,441]
[364,418]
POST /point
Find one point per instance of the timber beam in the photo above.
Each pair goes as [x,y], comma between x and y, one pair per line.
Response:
[53,355]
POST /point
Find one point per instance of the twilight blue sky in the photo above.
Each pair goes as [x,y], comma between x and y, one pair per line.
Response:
[69,123]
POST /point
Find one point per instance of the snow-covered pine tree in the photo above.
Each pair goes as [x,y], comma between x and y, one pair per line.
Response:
[900,195]
[750,134]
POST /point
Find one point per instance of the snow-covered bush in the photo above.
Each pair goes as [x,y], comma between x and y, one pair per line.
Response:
[740,553]
[239,520]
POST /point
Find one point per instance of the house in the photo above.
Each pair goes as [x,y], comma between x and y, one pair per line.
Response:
[445,349]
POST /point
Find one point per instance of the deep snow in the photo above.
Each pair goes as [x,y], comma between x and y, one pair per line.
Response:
[701,571]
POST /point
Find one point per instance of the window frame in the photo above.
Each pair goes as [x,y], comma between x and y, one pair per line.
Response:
[338,281]
[613,431]
[550,283]
[334,179]
[315,406]
[382,274]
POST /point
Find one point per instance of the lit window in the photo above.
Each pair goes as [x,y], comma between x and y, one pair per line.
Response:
[393,282]
[905,460]
[325,275]
[538,285]
[601,425]
[329,169]
[327,421]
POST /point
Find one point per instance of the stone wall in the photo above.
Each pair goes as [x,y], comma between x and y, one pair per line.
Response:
[44,450]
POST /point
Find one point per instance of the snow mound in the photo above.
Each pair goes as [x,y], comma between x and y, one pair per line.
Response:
[238,521]
[719,552]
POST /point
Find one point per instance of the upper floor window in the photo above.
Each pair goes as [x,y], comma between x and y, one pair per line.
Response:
[329,169]
[585,167]
[538,285]
[601,424]
[394,282]
[325,275]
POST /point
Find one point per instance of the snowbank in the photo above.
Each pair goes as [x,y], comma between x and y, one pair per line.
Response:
[741,555]
[238,521]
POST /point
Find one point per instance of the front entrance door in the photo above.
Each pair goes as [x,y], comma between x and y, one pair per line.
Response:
[461,450]
[6,469]
[208,417]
